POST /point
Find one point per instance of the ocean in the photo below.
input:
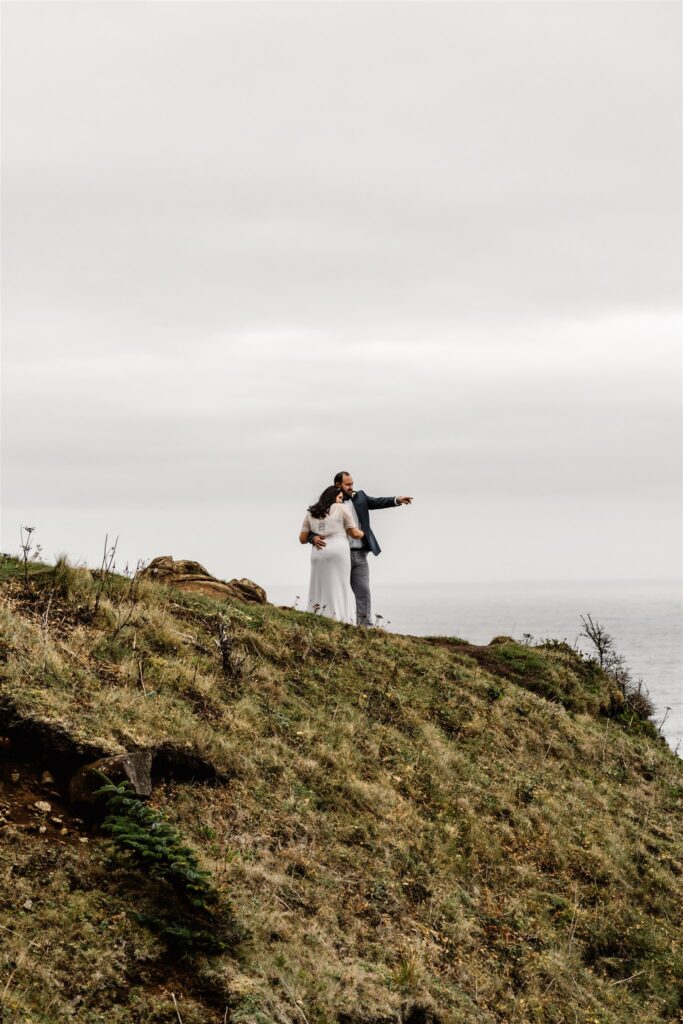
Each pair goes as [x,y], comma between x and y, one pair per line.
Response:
[645,619]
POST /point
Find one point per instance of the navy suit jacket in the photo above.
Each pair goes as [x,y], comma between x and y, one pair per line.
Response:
[364,505]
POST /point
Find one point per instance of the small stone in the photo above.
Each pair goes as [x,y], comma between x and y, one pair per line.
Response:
[56,821]
[83,839]
[63,831]
[47,779]
[43,805]
[27,905]
[15,777]
[42,829]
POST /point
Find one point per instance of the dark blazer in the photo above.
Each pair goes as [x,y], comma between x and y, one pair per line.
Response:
[364,505]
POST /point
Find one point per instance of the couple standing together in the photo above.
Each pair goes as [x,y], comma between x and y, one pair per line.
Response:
[338,528]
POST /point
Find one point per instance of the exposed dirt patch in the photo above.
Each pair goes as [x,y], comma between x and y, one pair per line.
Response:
[483,655]
[33,799]
[48,746]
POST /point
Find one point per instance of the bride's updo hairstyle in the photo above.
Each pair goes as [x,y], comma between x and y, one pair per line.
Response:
[324,502]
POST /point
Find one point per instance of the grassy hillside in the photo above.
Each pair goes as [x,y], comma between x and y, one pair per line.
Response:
[400,829]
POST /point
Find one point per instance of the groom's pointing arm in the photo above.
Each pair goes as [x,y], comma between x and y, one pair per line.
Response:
[377,503]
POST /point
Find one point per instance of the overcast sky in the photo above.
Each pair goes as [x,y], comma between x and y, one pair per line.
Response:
[246,245]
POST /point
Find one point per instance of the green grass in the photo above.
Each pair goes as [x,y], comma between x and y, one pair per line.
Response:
[477,831]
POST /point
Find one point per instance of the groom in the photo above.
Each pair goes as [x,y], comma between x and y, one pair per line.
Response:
[361,505]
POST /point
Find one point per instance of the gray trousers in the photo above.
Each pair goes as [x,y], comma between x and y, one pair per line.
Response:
[360,585]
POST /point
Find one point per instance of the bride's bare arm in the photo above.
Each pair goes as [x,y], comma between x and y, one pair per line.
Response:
[303,536]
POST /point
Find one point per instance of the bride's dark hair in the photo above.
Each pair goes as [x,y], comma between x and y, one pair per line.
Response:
[324,502]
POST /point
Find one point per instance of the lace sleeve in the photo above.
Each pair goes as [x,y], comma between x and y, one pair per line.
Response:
[307,524]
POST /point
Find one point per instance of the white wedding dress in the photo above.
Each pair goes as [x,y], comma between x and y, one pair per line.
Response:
[330,591]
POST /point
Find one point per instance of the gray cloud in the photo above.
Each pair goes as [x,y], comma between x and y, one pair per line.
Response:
[245,245]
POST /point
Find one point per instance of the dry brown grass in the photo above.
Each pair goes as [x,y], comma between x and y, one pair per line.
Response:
[401,823]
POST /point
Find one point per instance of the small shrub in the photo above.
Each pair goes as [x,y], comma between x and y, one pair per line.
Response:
[187,896]
[637,699]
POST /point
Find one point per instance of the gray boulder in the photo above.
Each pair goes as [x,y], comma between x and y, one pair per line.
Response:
[135,768]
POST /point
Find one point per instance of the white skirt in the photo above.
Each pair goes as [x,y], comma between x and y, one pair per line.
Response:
[329,592]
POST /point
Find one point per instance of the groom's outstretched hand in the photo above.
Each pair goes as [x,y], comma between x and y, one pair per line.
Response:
[402,500]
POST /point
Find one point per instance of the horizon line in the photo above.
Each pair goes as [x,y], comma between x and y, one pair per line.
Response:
[673,580]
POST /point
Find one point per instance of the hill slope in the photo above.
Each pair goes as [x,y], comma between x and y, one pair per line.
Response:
[402,830]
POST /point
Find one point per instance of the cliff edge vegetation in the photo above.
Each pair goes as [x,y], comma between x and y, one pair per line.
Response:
[391,830]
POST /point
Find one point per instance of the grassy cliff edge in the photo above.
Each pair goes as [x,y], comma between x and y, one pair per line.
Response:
[404,829]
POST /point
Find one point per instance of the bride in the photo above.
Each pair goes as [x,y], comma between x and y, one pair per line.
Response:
[330,591]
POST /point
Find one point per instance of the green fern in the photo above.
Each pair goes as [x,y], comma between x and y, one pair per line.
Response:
[146,841]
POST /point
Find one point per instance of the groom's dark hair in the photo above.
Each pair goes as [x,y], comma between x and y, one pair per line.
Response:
[340,476]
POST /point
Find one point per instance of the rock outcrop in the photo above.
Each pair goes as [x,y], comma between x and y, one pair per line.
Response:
[135,768]
[188,575]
